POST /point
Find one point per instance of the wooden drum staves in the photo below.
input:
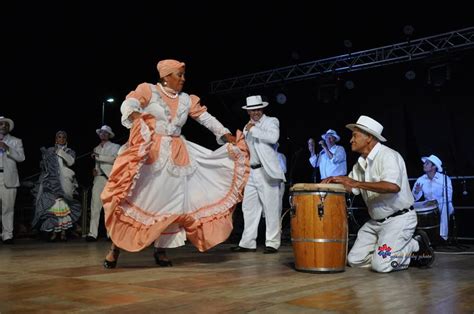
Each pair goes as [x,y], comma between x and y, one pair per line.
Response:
[319,228]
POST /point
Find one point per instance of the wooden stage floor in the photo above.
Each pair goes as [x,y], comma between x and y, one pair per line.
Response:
[69,277]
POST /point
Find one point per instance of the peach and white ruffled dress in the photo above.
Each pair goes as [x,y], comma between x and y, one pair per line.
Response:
[165,189]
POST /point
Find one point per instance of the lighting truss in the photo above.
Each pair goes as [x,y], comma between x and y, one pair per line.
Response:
[391,54]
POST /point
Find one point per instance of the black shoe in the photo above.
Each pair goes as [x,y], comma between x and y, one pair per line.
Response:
[241,249]
[270,250]
[425,255]
[158,255]
[53,237]
[91,239]
[8,241]
[112,264]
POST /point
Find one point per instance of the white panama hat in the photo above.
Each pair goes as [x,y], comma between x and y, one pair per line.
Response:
[107,129]
[255,102]
[368,125]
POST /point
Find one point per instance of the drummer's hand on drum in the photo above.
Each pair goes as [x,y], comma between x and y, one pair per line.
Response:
[418,187]
[348,183]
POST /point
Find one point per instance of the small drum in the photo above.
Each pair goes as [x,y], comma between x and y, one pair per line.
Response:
[319,227]
[428,219]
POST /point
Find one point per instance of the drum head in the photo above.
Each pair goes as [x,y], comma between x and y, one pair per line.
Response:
[425,205]
[314,187]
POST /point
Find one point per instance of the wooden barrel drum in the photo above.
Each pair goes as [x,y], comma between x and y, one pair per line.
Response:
[319,228]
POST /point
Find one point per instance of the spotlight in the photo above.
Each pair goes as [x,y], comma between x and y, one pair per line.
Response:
[347,43]
[410,75]
[408,30]
[281,98]
[349,84]
[439,74]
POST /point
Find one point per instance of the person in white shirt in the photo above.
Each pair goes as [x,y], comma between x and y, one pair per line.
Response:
[385,242]
[434,185]
[11,152]
[104,155]
[262,192]
[331,160]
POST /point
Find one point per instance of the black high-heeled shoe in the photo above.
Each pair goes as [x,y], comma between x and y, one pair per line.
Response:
[112,264]
[158,255]
[53,237]
[63,237]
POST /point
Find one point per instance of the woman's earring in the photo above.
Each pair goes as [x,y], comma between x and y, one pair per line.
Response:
[164,83]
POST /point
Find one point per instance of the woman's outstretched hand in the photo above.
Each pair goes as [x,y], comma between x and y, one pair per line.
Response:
[229,138]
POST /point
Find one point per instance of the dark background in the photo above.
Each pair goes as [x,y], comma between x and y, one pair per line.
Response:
[61,61]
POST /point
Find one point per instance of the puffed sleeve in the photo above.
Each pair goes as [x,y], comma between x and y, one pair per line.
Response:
[68,156]
[135,102]
[200,114]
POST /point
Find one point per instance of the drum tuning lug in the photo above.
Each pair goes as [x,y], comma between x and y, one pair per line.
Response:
[320,210]
[293,211]
[292,207]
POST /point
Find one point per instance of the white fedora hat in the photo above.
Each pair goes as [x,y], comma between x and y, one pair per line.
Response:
[368,125]
[10,122]
[255,102]
[332,133]
[435,161]
[107,129]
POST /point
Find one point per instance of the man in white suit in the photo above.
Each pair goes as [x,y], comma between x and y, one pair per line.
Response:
[11,152]
[263,187]
[104,155]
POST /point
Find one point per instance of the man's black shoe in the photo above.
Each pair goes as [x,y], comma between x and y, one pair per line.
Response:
[270,250]
[425,255]
[91,239]
[8,241]
[241,249]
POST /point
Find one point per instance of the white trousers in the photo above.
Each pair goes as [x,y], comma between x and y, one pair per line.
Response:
[7,203]
[96,204]
[444,221]
[261,194]
[385,246]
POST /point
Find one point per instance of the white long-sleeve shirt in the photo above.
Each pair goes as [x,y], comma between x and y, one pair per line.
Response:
[328,167]
[433,189]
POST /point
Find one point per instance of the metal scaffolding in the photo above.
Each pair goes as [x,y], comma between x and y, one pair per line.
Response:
[397,53]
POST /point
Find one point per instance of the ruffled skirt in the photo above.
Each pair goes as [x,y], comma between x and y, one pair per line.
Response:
[143,202]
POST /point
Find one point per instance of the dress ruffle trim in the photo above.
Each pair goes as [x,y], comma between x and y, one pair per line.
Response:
[134,230]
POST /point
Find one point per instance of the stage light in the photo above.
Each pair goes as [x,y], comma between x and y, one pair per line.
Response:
[410,75]
[349,84]
[439,74]
[109,100]
[281,98]
[408,30]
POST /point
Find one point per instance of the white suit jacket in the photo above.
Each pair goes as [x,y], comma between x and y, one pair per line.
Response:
[14,154]
[262,136]
[106,157]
